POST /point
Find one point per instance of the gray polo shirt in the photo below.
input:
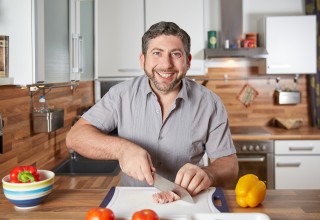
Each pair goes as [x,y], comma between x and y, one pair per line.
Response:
[197,123]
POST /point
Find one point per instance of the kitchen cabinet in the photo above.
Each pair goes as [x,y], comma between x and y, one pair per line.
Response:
[291,44]
[119,26]
[297,164]
[19,30]
[64,45]
[51,45]
[191,19]
[39,39]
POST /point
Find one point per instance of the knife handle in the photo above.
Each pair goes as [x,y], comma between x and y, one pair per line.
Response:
[219,200]
[108,197]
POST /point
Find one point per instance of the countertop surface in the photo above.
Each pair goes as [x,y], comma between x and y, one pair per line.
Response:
[74,204]
[303,133]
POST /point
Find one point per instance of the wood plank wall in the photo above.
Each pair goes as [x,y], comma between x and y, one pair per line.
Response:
[263,109]
[21,145]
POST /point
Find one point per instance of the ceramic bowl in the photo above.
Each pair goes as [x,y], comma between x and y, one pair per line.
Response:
[28,195]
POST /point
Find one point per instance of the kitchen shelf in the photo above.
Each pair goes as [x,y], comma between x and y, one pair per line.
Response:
[41,86]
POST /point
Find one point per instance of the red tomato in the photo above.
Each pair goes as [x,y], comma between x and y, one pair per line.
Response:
[145,214]
[100,214]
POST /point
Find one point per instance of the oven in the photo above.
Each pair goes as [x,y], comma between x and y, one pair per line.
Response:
[255,156]
[103,84]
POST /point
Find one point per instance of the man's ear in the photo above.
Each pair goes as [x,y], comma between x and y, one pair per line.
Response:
[142,60]
[189,58]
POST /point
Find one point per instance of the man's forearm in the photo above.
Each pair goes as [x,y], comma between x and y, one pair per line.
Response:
[223,170]
[92,143]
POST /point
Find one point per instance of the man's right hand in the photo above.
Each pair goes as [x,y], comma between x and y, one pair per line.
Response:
[136,162]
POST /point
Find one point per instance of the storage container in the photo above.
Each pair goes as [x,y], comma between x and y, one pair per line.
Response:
[287,97]
[48,121]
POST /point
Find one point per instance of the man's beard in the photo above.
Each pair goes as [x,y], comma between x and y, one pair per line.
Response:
[163,87]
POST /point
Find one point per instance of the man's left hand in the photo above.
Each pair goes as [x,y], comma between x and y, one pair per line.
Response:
[193,178]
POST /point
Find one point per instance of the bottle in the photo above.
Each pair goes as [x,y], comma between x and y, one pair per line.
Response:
[42,106]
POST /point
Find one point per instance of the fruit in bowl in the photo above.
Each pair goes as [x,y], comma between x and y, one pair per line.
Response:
[30,193]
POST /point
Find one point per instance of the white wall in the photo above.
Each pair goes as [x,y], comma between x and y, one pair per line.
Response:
[19,30]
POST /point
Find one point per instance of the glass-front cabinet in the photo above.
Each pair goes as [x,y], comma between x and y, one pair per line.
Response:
[50,41]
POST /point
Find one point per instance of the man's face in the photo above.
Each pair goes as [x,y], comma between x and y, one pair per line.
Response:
[165,63]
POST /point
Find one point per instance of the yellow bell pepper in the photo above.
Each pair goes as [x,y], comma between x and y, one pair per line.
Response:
[250,191]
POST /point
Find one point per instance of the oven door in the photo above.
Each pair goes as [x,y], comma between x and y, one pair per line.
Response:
[259,164]
[262,165]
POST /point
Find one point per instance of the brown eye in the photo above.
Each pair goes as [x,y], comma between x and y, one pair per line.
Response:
[176,54]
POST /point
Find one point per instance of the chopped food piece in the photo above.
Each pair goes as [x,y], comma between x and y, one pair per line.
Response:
[165,197]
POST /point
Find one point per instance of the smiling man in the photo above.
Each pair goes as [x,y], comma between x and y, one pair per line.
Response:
[165,121]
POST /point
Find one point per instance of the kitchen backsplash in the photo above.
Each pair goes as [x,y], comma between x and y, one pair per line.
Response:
[261,106]
[21,146]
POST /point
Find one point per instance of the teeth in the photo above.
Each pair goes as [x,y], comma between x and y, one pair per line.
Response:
[165,75]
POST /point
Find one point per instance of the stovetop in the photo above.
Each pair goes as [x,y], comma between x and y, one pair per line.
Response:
[249,130]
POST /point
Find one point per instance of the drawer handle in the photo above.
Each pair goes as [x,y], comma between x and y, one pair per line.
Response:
[251,159]
[294,164]
[300,148]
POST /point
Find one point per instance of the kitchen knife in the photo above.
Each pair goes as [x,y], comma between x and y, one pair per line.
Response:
[166,185]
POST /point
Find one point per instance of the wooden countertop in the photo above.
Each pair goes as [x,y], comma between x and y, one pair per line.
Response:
[303,133]
[74,204]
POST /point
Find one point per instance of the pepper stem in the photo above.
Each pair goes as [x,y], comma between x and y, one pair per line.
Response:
[26,176]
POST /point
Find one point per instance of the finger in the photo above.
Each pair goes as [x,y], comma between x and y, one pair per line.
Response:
[187,178]
[147,170]
[197,186]
[180,174]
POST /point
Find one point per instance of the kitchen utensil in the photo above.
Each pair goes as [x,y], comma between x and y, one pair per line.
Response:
[165,185]
[124,201]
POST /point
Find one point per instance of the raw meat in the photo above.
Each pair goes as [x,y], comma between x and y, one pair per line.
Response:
[165,197]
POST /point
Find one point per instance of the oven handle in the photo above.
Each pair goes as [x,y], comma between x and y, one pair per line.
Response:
[252,159]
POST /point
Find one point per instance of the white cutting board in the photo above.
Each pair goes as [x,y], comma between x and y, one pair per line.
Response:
[127,200]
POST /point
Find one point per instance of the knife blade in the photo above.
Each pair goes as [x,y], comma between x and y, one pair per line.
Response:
[165,185]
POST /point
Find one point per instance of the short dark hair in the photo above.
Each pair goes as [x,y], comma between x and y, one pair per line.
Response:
[166,28]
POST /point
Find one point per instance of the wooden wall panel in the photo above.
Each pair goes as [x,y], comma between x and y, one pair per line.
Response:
[46,150]
[263,108]
[21,145]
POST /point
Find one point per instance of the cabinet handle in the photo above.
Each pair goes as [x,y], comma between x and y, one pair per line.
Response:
[284,66]
[251,159]
[288,164]
[77,53]
[80,56]
[129,70]
[302,148]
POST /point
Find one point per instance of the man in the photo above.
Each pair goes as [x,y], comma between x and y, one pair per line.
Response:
[165,121]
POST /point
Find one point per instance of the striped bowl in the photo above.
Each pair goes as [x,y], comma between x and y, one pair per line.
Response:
[27,195]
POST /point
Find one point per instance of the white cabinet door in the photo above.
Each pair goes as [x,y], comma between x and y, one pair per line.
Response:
[119,26]
[16,22]
[189,15]
[297,164]
[291,44]
[297,172]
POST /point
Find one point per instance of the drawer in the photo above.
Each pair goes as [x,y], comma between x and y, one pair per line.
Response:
[295,147]
[297,172]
